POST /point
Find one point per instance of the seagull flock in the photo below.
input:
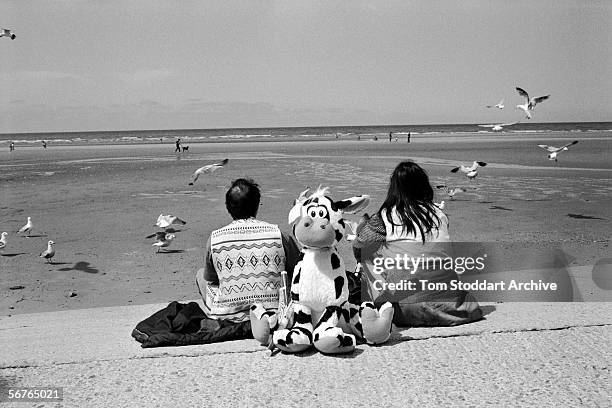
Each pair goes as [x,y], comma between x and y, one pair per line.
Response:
[48,253]
[163,238]
[527,108]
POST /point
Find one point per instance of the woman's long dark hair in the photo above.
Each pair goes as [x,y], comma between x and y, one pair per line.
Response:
[412,197]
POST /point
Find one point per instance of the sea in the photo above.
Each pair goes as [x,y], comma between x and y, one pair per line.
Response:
[287,133]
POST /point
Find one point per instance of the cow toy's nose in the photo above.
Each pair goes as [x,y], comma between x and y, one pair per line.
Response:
[307,221]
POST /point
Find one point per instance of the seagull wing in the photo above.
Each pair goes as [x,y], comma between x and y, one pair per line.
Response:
[569,144]
[456,169]
[539,99]
[178,221]
[162,221]
[549,148]
[523,93]
[487,126]
[194,177]
[160,235]
[508,124]
[481,164]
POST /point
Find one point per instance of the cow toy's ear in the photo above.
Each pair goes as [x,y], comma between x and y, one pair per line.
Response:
[296,211]
[353,204]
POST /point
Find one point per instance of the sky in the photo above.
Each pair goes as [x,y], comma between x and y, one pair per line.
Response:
[81,65]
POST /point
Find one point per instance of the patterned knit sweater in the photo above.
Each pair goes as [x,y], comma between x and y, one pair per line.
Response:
[248,257]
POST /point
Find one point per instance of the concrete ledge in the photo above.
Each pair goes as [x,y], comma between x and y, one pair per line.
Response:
[103,334]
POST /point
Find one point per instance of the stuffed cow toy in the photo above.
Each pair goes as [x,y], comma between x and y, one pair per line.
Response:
[321,313]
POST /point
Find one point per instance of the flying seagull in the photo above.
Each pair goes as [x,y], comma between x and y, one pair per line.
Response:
[163,240]
[49,252]
[26,228]
[470,172]
[8,33]
[3,239]
[209,168]
[164,221]
[451,192]
[500,105]
[530,104]
[498,127]
[554,151]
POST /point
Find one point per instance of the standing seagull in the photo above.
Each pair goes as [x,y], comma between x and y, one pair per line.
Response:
[26,228]
[472,171]
[209,168]
[8,33]
[531,103]
[164,221]
[500,105]
[498,127]
[554,151]
[3,239]
[451,191]
[49,252]
[163,240]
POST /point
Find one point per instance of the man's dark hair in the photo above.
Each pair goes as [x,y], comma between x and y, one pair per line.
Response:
[242,199]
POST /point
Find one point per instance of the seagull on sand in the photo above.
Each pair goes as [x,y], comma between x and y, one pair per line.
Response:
[498,127]
[3,239]
[554,151]
[8,33]
[49,252]
[500,105]
[451,192]
[530,104]
[209,168]
[26,228]
[470,172]
[163,240]
[164,221]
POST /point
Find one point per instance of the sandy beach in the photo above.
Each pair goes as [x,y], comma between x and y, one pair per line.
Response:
[98,203]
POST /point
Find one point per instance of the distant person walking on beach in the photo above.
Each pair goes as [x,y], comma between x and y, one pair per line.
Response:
[11,146]
[44,143]
[390,136]
[178,145]
[244,259]
[408,138]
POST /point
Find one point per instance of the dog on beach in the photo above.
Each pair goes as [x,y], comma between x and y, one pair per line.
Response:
[185,148]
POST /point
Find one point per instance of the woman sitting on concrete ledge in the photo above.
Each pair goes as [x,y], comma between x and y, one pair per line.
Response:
[392,248]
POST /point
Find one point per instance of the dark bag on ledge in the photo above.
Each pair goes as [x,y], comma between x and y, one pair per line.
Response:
[186,324]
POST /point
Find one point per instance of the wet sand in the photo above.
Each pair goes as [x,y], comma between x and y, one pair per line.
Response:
[99,202]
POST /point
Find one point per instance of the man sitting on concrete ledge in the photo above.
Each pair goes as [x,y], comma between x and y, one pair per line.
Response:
[242,265]
[244,259]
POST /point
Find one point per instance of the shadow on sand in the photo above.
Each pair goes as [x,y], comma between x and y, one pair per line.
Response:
[81,266]
[584,217]
[171,251]
[16,254]
[499,207]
